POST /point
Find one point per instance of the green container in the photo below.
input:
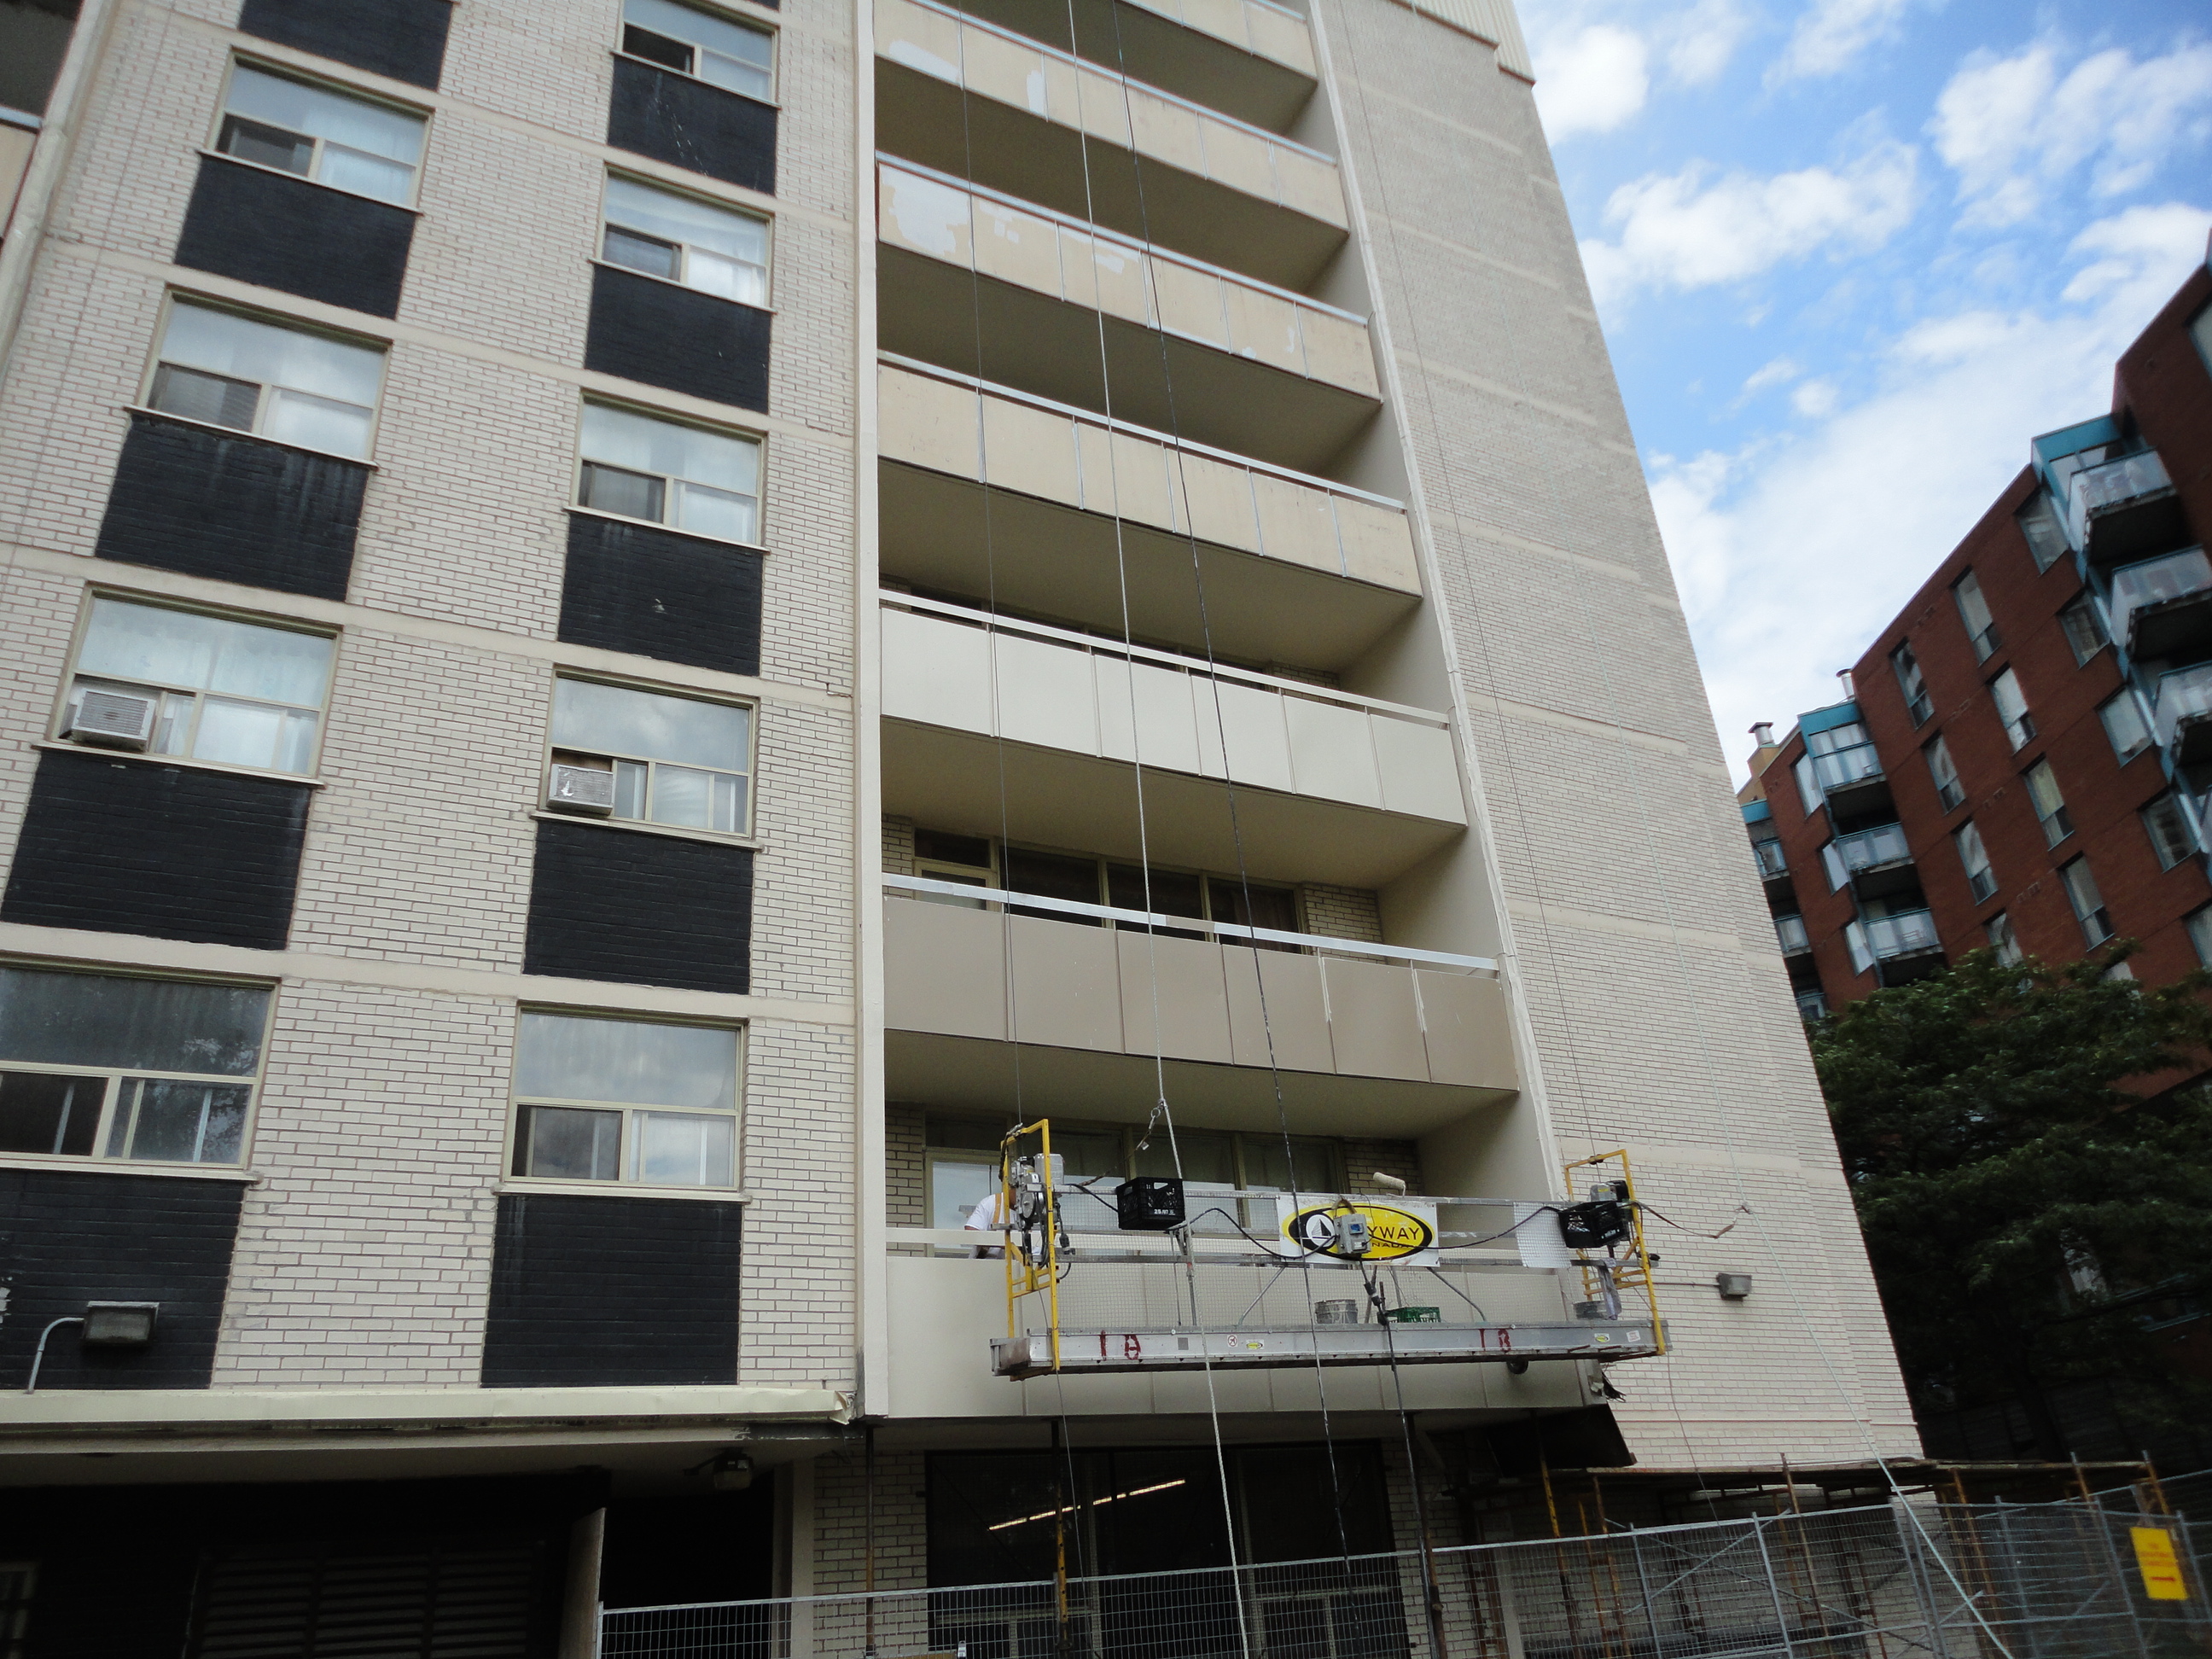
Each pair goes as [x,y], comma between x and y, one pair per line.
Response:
[1415,1315]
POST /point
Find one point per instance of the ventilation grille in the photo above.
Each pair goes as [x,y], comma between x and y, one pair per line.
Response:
[467,1600]
[112,719]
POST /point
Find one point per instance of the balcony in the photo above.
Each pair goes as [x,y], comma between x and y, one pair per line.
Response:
[1295,568]
[1000,727]
[986,104]
[1875,862]
[1772,864]
[1900,948]
[2122,509]
[1251,59]
[1852,780]
[1790,931]
[974,280]
[2183,713]
[2163,607]
[948,1309]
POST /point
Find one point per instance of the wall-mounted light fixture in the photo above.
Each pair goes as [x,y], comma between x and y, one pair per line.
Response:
[107,1325]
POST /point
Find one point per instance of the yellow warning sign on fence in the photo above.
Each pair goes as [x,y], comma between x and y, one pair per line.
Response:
[2160,1568]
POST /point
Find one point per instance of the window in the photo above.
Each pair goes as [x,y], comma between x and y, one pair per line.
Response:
[1808,785]
[678,760]
[1975,859]
[1913,682]
[1084,878]
[108,1066]
[284,384]
[2125,726]
[347,143]
[2085,629]
[236,693]
[2002,938]
[1974,611]
[1948,789]
[686,477]
[2199,924]
[2050,805]
[2088,905]
[622,1100]
[1771,860]
[1832,858]
[686,241]
[1812,1006]
[1789,934]
[2012,708]
[2172,837]
[1855,941]
[2040,529]
[969,860]
[716,50]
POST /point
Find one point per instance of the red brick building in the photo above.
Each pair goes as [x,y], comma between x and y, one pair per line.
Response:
[2023,756]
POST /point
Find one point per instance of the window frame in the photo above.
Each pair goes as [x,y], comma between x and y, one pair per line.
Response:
[766,221]
[1103,863]
[746,836]
[2142,722]
[174,297]
[758,440]
[116,1076]
[1988,640]
[411,203]
[2003,938]
[2085,604]
[2189,842]
[773,30]
[1949,796]
[1919,701]
[1982,879]
[2197,925]
[2059,824]
[2039,506]
[518,1103]
[2019,732]
[2101,915]
[70,675]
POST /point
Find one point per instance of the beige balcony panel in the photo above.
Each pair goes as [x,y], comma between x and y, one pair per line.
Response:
[1142,483]
[1066,985]
[1017,247]
[1374,1021]
[1377,543]
[1297,525]
[1250,722]
[1264,328]
[1046,696]
[1470,1039]
[1419,772]
[1104,102]
[1337,350]
[1305,184]
[963,992]
[1004,69]
[1107,275]
[1167,132]
[1283,38]
[1218,498]
[1293,1013]
[1095,445]
[925,216]
[1240,159]
[1145,714]
[929,422]
[1190,302]
[1332,751]
[928,41]
[1030,450]
[937,671]
[1182,979]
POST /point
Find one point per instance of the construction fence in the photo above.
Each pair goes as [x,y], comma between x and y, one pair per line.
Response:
[1907,1580]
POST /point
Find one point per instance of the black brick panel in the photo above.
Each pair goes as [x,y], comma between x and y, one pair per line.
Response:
[233,509]
[640,908]
[657,593]
[168,852]
[275,231]
[597,1292]
[659,334]
[67,1239]
[689,124]
[403,39]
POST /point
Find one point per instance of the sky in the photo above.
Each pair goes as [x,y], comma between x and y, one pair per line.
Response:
[1851,256]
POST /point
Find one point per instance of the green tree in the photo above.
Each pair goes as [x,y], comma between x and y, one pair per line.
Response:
[2019,1205]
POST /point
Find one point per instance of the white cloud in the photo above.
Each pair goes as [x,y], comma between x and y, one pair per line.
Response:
[1701,41]
[1831,33]
[1679,231]
[1816,399]
[1592,81]
[1780,371]
[1792,553]
[2012,127]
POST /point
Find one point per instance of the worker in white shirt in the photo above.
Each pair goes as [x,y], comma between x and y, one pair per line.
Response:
[991,1216]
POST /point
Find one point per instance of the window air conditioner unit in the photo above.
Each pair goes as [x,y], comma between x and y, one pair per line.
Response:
[586,791]
[112,719]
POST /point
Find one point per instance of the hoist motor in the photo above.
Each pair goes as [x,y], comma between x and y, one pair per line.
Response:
[1149,1203]
[1595,1224]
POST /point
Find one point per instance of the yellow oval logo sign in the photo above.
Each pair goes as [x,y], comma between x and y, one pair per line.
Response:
[1391,1233]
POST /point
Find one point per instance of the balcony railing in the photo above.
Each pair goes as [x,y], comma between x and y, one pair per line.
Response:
[1905,934]
[948,665]
[1772,863]
[2138,588]
[2184,702]
[1791,931]
[1870,849]
[2097,489]
[2125,509]
[1842,767]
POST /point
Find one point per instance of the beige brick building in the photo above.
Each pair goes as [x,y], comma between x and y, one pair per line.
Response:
[549,549]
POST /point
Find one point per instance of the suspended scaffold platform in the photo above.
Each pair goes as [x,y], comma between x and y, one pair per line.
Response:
[1083,1351]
